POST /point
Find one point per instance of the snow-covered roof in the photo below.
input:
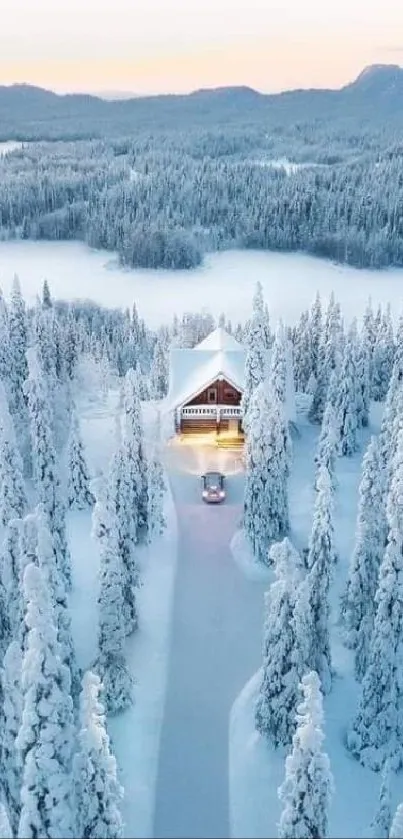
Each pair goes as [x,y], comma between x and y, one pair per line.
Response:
[219,340]
[217,356]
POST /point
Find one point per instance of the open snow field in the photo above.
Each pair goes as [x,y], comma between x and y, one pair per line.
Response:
[225,282]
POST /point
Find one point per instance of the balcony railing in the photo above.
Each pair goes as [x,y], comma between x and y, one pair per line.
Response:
[207,411]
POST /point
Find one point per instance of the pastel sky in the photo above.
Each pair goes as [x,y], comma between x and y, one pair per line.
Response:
[149,46]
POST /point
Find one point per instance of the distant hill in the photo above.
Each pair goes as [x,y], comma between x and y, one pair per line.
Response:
[28,111]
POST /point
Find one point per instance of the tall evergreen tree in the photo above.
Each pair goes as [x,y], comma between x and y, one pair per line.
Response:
[326,451]
[10,576]
[18,341]
[320,561]
[13,500]
[383,357]
[97,791]
[45,739]
[117,685]
[279,688]
[266,516]
[347,407]
[308,784]
[45,466]
[159,372]
[78,482]
[377,732]
[156,493]
[381,823]
[278,365]
[358,602]
[135,451]
[258,342]
[120,501]
[396,829]
[11,764]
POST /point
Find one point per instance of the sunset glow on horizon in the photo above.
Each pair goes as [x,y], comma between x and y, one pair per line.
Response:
[178,46]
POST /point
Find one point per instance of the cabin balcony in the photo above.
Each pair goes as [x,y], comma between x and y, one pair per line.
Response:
[209,412]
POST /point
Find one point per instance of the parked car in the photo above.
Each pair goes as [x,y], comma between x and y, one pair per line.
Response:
[213,491]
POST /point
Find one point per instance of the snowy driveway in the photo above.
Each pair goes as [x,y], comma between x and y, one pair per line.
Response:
[215,649]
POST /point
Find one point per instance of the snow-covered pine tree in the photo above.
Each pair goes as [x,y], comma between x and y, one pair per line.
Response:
[315,328]
[5,354]
[78,483]
[368,337]
[156,493]
[10,576]
[364,381]
[347,407]
[117,683]
[381,823]
[159,372]
[13,500]
[265,518]
[98,793]
[306,791]
[377,731]
[326,451]
[56,584]
[279,687]
[358,601]
[11,764]
[46,298]
[258,342]
[320,562]
[383,357]
[122,520]
[17,332]
[45,464]
[396,829]
[45,739]
[135,452]
[302,353]
[278,365]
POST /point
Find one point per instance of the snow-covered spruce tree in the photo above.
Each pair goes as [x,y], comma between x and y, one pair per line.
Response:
[396,829]
[17,331]
[380,825]
[5,354]
[326,451]
[98,793]
[346,406]
[10,575]
[320,561]
[358,601]
[302,354]
[306,791]
[135,452]
[278,365]
[156,493]
[46,298]
[56,583]
[383,357]
[315,328]
[45,464]
[258,341]
[333,333]
[5,629]
[368,337]
[45,738]
[279,688]
[364,381]
[376,732]
[122,521]
[11,765]
[265,517]
[28,555]
[78,483]
[13,500]
[117,683]
[159,372]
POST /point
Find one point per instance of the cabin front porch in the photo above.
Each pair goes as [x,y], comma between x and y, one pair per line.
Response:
[223,422]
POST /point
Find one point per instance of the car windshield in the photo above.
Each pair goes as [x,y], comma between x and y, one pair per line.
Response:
[213,479]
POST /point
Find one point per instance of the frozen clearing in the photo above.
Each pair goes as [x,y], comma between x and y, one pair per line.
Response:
[135,733]
[225,282]
[256,770]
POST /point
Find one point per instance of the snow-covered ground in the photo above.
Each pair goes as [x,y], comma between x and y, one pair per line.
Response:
[135,733]
[216,631]
[255,770]
[225,282]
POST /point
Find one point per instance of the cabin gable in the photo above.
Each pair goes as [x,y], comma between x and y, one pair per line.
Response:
[219,392]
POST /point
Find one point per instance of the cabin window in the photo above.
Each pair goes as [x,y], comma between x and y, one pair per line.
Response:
[211,394]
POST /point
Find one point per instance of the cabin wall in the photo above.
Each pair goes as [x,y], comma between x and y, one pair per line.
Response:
[223,393]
